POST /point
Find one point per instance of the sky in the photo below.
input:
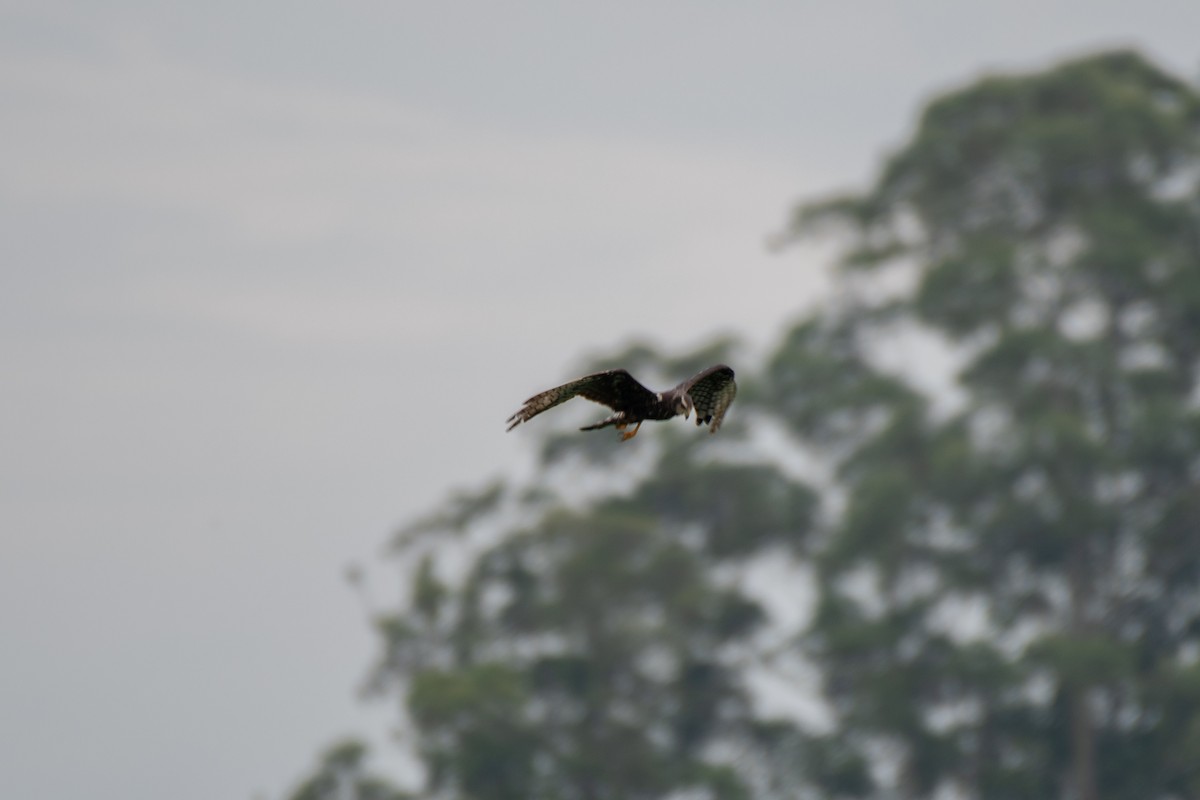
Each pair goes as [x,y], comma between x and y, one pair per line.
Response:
[273,274]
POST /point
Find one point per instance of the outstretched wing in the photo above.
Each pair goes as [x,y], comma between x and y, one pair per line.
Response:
[614,388]
[711,391]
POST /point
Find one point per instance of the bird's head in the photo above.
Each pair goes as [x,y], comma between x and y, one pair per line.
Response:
[683,405]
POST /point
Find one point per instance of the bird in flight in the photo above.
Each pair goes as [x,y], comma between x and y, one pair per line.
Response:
[708,393]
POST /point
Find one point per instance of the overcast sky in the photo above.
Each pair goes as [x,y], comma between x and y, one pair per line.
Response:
[273,274]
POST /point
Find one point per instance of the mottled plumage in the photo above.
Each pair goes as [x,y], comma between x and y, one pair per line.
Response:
[708,393]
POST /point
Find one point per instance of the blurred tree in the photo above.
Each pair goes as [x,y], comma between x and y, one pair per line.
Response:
[599,652]
[1010,601]
[342,775]
[1006,566]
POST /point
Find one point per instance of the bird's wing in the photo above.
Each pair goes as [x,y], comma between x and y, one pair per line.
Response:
[712,391]
[614,388]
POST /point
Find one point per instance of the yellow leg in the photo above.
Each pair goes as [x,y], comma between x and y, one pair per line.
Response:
[627,436]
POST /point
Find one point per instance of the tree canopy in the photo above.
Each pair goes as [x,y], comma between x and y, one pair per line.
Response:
[1049,227]
[974,575]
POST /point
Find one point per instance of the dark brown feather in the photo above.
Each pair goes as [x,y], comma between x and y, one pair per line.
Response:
[615,388]
[712,391]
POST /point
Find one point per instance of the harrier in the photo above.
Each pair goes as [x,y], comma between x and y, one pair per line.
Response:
[708,393]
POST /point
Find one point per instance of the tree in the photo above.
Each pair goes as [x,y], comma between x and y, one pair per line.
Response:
[1010,601]
[1005,546]
[342,775]
[596,651]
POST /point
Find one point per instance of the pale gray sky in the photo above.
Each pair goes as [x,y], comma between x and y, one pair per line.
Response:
[237,240]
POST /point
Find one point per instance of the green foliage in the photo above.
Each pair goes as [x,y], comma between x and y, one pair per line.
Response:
[478,738]
[342,775]
[429,593]
[820,383]
[1052,222]
[1007,585]
[1081,659]
[597,652]
[460,511]
[734,510]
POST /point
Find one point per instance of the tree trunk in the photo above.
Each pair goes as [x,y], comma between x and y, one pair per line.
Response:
[1083,746]
[1083,732]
